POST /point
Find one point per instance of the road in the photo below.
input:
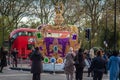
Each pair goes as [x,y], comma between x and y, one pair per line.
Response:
[26,75]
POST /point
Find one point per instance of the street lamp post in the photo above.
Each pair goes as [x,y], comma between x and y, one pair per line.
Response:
[105,37]
[115,25]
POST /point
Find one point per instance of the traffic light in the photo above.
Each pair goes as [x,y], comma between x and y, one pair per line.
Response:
[87,33]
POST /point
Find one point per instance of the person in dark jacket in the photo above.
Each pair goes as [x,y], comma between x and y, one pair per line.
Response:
[14,54]
[36,68]
[79,64]
[98,66]
[3,58]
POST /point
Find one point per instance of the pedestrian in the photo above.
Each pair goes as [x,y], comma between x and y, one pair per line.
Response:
[33,49]
[36,68]
[3,58]
[79,64]
[114,65]
[91,56]
[88,63]
[119,69]
[14,54]
[98,66]
[0,57]
[106,59]
[69,64]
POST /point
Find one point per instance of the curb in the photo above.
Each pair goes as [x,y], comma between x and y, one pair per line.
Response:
[27,69]
[44,71]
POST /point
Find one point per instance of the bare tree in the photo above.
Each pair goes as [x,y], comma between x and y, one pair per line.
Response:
[44,10]
[93,10]
[73,12]
[11,12]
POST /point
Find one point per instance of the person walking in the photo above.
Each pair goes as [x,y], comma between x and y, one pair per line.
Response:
[119,69]
[88,63]
[114,66]
[0,57]
[79,64]
[98,66]
[106,59]
[36,68]
[69,64]
[14,54]
[3,58]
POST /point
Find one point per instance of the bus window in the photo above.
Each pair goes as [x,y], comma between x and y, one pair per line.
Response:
[24,33]
[15,36]
[30,33]
[20,33]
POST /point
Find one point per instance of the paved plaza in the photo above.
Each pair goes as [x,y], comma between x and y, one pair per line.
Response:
[9,74]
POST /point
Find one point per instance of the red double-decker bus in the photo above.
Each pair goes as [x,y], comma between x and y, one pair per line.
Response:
[22,39]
